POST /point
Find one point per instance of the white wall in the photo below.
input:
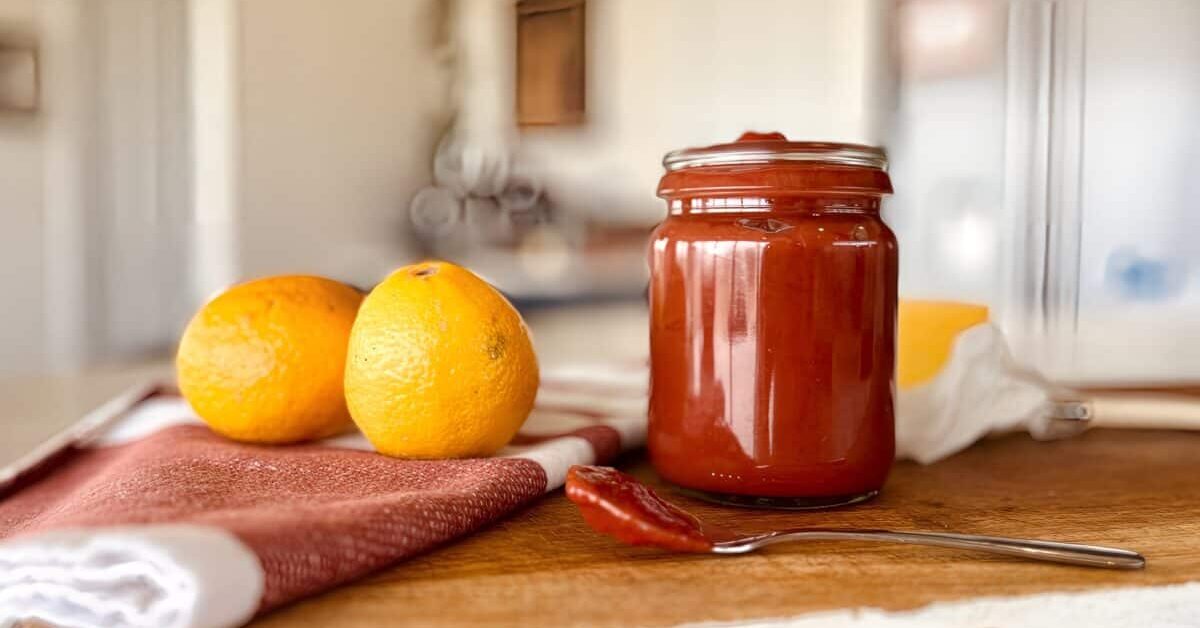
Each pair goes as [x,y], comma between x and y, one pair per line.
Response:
[312,122]
[339,109]
[21,221]
[673,73]
[89,254]
[315,121]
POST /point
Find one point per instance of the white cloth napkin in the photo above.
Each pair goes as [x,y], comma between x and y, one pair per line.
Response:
[980,391]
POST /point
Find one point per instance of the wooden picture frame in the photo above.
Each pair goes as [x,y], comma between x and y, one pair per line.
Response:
[550,62]
[18,79]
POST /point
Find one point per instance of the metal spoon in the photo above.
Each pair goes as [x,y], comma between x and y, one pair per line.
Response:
[1051,551]
[616,504]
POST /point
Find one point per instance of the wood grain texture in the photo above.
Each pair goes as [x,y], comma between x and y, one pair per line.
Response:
[1132,489]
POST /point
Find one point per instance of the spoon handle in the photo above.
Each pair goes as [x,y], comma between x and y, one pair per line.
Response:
[1069,553]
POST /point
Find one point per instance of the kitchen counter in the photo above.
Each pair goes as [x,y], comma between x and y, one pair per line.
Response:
[543,566]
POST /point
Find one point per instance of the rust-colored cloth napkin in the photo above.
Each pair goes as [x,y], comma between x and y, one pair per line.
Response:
[160,522]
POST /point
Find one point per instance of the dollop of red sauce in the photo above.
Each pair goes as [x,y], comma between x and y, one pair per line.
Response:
[618,505]
[755,136]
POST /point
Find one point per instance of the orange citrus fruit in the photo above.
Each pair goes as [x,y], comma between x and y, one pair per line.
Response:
[263,361]
[440,365]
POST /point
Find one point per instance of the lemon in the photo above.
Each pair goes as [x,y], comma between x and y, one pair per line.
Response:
[927,333]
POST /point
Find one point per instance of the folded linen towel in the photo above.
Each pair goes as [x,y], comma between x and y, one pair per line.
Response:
[157,521]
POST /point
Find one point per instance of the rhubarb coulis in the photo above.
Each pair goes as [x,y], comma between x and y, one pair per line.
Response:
[618,505]
[772,328]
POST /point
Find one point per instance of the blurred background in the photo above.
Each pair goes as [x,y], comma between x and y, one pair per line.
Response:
[1045,154]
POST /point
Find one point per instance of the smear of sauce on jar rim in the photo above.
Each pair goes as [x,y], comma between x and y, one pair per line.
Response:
[618,505]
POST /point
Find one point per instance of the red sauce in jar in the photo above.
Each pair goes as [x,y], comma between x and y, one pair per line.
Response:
[773,317]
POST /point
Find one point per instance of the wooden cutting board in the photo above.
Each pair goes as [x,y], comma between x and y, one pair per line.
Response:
[1132,489]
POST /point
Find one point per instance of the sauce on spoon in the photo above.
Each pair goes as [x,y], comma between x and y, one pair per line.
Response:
[618,505]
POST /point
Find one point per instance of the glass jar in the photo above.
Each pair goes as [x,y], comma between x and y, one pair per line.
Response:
[773,323]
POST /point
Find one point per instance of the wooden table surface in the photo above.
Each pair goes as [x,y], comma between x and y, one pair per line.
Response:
[542,566]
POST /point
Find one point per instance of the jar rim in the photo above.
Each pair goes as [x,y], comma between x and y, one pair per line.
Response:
[768,148]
